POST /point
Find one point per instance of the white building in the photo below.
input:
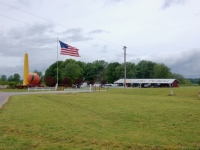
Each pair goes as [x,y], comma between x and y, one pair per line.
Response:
[148,82]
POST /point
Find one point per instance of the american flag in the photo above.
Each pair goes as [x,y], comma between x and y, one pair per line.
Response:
[68,50]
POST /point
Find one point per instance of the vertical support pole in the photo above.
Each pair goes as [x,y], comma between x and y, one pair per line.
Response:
[124,66]
[57,61]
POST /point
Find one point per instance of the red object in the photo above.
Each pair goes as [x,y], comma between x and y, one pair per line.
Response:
[33,78]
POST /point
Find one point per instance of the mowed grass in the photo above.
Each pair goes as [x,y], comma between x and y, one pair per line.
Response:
[116,119]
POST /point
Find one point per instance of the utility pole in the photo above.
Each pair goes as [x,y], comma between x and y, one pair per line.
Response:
[124,48]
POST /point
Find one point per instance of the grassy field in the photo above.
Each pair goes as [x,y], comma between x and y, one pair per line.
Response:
[117,119]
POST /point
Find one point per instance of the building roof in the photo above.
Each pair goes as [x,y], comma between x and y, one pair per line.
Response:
[169,81]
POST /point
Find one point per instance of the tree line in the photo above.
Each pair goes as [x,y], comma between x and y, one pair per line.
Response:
[72,71]
[75,72]
[14,79]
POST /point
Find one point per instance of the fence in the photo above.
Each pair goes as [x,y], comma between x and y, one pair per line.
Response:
[43,88]
[69,90]
[84,89]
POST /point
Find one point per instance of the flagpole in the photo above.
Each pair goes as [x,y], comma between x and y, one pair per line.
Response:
[57,60]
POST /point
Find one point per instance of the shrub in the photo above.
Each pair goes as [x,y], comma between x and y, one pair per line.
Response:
[66,82]
[78,81]
[12,84]
[103,82]
[91,82]
[50,81]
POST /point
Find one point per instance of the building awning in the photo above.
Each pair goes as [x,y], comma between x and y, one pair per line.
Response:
[150,81]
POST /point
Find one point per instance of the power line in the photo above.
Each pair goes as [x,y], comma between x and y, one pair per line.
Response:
[49,30]
[56,23]
[64,26]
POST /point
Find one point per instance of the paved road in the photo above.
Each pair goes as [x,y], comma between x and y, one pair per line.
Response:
[5,95]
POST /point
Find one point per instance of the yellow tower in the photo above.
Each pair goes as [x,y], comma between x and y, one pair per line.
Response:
[26,69]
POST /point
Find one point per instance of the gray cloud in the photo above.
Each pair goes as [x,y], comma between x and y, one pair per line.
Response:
[78,37]
[75,35]
[187,63]
[38,41]
[18,40]
[8,71]
[168,3]
[184,62]
[23,2]
[98,31]
[33,65]
[73,31]
[112,2]
[104,49]
[41,42]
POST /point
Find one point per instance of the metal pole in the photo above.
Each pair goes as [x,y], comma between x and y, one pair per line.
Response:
[57,60]
[124,66]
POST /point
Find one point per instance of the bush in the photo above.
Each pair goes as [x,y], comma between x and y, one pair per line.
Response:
[50,81]
[78,82]
[66,82]
[91,82]
[103,82]
[3,82]
[12,84]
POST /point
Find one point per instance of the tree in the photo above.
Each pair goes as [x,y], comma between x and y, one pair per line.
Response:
[3,78]
[16,77]
[52,71]
[119,71]
[145,69]
[199,81]
[100,67]
[131,70]
[73,71]
[89,73]
[10,78]
[112,72]
[161,71]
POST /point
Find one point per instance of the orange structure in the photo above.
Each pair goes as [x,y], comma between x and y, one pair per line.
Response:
[33,79]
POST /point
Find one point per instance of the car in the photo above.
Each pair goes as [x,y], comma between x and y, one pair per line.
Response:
[147,85]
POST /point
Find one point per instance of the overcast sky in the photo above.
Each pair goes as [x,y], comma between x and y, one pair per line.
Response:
[162,31]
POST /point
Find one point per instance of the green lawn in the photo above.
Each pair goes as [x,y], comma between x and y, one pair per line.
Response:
[117,119]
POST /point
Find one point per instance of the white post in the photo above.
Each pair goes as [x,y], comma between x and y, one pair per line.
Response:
[171,91]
